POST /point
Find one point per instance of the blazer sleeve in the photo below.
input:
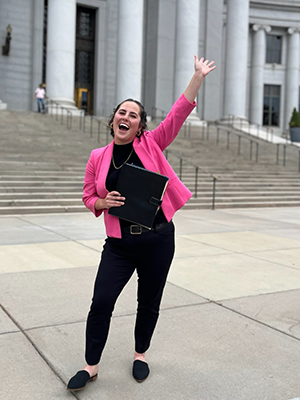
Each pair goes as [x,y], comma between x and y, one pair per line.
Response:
[168,129]
[90,194]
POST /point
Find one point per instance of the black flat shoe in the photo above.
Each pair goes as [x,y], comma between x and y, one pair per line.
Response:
[140,371]
[79,381]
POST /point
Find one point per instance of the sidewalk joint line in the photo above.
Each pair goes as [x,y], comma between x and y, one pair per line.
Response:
[61,235]
[255,320]
[36,348]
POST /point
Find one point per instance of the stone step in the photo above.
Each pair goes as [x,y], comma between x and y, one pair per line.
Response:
[44,174]
[249,180]
[190,205]
[51,178]
[250,204]
[40,195]
[185,172]
[249,199]
[41,202]
[42,209]
[201,194]
[40,183]
[37,189]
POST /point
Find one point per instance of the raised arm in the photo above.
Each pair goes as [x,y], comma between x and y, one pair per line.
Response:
[202,68]
[168,129]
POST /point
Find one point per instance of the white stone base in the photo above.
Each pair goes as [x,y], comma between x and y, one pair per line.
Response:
[194,120]
[53,110]
[234,119]
[3,106]
[68,106]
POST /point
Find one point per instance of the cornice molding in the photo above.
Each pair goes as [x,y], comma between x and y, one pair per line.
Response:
[274,7]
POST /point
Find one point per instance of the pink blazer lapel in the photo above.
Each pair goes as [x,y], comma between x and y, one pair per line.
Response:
[105,164]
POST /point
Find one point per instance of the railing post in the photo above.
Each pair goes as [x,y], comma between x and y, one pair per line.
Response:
[228,134]
[217,142]
[277,154]
[214,193]
[91,127]
[299,161]
[256,158]
[180,168]
[250,149]
[196,178]
[284,153]
[99,124]
[152,113]
[239,145]
[272,135]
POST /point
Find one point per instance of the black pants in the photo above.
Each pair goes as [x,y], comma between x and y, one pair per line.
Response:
[151,254]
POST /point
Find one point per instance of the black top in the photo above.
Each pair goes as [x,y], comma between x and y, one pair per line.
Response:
[120,154]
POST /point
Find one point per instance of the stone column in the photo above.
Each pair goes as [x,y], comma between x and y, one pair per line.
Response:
[187,45]
[257,73]
[37,48]
[130,46]
[60,72]
[236,57]
[292,74]
[187,38]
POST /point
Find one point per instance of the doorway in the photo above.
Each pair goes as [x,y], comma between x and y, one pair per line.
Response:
[84,58]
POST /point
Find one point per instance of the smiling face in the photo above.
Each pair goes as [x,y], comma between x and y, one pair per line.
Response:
[126,122]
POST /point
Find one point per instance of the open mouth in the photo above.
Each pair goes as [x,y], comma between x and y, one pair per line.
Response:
[123,127]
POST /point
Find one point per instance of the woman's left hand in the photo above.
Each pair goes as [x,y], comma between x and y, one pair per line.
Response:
[203,67]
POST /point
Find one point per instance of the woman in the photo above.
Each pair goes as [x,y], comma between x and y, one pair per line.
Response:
[130,247]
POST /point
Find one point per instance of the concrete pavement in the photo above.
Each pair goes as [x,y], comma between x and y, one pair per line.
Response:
[229,327]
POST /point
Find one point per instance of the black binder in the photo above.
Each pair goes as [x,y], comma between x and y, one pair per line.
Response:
[143,190]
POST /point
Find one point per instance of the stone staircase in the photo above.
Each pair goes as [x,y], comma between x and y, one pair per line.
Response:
[42,166]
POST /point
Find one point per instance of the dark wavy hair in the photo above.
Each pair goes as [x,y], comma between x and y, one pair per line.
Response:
[143,116]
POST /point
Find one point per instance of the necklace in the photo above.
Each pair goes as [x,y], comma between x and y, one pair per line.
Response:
[113,161]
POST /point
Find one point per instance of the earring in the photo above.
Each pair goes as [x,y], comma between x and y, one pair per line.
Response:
[111,125]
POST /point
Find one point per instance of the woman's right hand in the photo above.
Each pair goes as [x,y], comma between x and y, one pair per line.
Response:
[112,199]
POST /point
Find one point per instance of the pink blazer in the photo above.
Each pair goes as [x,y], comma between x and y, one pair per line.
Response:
[149,148]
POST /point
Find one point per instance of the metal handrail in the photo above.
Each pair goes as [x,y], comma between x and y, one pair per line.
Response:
[100,123]
[154,113]
[229,132]
[186,125]
[197,168]
[62,109]
[285,146]
[233,119]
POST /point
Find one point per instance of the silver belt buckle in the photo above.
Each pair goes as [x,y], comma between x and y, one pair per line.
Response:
[135,232]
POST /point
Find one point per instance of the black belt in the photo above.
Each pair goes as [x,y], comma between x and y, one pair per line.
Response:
[138,229]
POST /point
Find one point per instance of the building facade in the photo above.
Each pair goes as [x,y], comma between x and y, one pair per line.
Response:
[92,54]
